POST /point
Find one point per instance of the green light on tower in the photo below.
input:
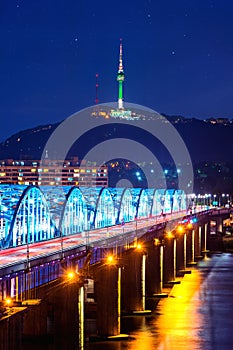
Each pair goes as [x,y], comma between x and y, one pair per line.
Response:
[120,79]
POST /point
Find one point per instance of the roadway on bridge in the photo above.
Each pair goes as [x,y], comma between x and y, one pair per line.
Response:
[23,253]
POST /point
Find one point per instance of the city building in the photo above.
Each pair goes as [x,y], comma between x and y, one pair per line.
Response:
[52,173]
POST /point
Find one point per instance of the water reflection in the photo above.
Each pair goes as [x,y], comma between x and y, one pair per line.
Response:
[197,315]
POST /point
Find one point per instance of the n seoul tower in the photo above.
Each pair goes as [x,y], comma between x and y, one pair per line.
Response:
[120,79]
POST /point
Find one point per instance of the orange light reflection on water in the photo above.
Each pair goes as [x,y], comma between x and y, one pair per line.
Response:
[179,321]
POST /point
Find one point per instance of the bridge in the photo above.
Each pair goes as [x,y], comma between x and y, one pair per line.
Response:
[127,243]
[31,214]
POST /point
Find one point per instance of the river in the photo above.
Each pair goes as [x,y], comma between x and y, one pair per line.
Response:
[198,313]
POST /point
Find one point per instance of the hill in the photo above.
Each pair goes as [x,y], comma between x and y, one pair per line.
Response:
[209,140]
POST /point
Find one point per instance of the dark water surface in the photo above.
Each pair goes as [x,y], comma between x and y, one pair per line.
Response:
[198,314]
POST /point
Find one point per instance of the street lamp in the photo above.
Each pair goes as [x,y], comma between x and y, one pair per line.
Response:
[8,302]
[70,275]
[180,229]
[138,246]
[169,234]
[110,260]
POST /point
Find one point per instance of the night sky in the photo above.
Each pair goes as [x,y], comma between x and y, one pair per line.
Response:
[178,57]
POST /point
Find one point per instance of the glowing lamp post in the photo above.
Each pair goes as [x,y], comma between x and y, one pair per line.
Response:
[110,260]
[8,302]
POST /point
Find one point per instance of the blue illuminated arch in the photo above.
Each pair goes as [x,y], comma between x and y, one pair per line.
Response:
[30,214]
[116,194]
[179,200]
[144,204]
[55,197]
[9,198]
[158,202]
[128,207]
[91,196]
[74,216]
[168,201]
[31,221]
[105,212]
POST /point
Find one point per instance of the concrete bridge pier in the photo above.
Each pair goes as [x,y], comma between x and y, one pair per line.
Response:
[58,314]
[198,243]
[188,246]
[107,279]
[133,281]
[154,269]
[181,254]
[35,320]
[219,224]
[81,298]
[205,239]
[191,247]
[11,326]
[169,261]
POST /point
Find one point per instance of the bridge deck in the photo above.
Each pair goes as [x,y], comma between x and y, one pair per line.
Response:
[98,237]
[18,258]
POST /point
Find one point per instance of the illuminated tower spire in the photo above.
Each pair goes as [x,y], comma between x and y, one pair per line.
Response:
[120,79]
